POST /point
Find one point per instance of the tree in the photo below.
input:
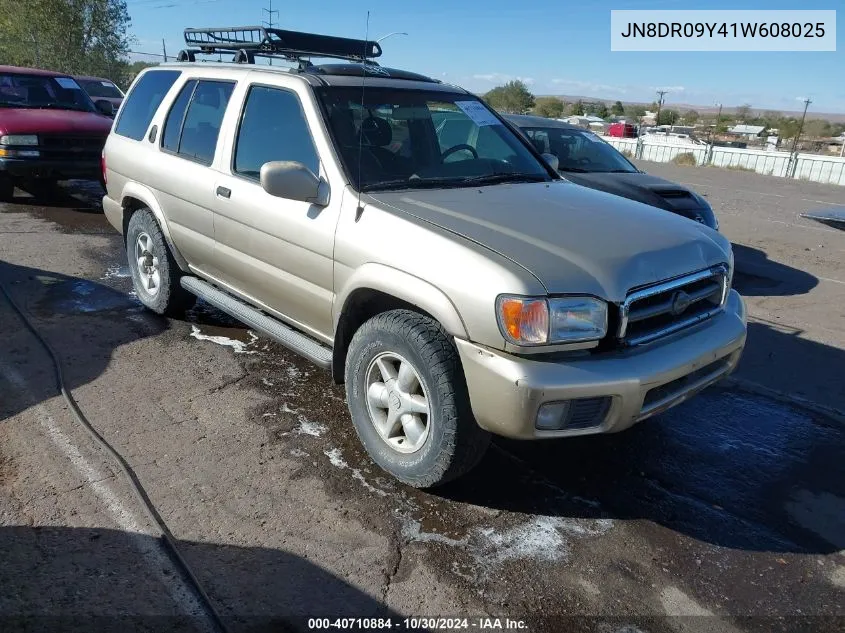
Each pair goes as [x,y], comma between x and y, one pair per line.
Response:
[549,107]
[578,108]
[601,110]
[617,109]
[743,112]
[513,98]
[690,117]
[668,117]
[636,111]
[71,36]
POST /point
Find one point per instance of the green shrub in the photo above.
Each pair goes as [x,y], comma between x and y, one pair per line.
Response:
[687,159]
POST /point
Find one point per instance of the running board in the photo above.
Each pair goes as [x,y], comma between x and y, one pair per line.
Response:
[295,341]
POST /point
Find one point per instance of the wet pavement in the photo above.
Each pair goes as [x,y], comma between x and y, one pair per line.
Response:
[727,512]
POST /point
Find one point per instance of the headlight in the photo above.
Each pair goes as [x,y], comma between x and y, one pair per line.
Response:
[537,321]
[19,139]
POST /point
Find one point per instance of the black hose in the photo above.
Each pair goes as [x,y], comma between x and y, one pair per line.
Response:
[167,539]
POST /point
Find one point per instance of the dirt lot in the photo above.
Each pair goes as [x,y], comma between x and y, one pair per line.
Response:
[724,514]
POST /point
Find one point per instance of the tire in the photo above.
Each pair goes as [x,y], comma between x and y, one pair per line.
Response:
[7,189]
[452,442]
[157,280]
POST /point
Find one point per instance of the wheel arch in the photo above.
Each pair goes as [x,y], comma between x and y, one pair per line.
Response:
[136,197]
[376,288]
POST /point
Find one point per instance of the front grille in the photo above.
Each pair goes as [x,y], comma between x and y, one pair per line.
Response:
[655,311]
[81,147]
[586,413]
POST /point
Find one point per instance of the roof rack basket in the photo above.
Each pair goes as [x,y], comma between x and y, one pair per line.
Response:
[249,42]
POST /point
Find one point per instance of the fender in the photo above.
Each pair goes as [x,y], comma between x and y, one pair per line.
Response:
[406,287]
[147,197]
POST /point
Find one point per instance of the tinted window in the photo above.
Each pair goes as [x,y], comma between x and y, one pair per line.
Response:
[578,150]
[202,122]
[143,101]
[38,91]
[173,124]
[273,128]
[101,89]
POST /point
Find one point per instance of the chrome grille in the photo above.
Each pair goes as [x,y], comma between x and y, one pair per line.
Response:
[655,311]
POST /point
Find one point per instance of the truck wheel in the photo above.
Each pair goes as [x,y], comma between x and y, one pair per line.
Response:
[409,402]
[7,189]
[155,274]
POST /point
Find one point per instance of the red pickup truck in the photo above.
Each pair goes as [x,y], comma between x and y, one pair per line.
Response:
[50,130]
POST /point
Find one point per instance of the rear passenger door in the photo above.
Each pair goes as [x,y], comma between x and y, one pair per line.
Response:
[183,176]
[274,251]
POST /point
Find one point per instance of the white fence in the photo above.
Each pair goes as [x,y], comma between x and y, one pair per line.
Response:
[812,167]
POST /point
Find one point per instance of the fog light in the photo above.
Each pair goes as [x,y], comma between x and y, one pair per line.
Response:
[552,416]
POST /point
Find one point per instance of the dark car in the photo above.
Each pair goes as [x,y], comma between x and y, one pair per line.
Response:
[50,130]
[587,160]
[100,88]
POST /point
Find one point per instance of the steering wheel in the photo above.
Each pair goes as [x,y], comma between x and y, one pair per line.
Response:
[457,148]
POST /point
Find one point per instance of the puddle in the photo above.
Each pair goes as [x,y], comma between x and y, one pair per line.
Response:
[81,296]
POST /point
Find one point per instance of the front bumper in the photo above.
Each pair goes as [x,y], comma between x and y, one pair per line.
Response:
[507,391]
[65,169]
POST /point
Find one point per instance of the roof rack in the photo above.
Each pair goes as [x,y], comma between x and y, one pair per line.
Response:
[249,42]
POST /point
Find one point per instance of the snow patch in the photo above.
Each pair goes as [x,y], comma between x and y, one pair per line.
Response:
[307,427]
[239,347]
[336,458]
[116,271]
[298,452]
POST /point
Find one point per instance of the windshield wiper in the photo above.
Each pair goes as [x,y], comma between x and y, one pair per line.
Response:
[415,183]
[619,171]
[60,106]
[493,179]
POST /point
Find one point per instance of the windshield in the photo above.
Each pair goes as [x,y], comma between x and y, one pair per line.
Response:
[413,139]
[36,91]
[101,89]
[578,150]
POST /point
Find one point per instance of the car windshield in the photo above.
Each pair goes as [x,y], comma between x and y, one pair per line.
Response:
[578,150]
[37,91]
[415,139]
[101,89]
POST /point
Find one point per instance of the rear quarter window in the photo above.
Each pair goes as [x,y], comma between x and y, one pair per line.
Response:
[142,102]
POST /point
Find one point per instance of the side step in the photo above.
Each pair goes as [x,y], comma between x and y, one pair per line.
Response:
[297,342]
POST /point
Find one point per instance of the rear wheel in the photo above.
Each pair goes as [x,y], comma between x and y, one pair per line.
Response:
[155,273]
[409,402]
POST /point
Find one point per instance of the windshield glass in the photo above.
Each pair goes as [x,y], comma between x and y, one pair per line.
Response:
[35,91]
[101,89]
[578,150]
[413,139]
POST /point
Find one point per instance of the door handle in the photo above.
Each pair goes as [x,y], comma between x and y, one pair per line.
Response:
[223,192]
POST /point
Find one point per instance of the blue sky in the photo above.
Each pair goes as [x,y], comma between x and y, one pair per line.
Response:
[557,47]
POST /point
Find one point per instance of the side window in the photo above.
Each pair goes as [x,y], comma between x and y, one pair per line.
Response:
[273,127]
[173,124]
[143,101]
[203,120]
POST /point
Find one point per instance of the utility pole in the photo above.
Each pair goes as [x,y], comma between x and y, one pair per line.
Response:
[269,21]
[164,49]
[660,94]
[718,119]
[807,103]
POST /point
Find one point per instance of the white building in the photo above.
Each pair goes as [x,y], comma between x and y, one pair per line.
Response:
[749,132]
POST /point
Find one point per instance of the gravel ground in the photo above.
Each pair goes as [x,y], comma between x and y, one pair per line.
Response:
[724,514]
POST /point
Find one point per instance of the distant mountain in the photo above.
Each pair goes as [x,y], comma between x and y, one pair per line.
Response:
[833,117]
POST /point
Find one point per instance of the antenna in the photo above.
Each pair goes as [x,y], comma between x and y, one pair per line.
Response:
[360,209]
[269,22]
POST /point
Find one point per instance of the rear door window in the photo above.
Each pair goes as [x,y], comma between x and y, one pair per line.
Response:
[173,123]
[143,101]
[202,122]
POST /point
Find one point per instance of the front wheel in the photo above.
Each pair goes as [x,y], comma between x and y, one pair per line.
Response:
[408,400]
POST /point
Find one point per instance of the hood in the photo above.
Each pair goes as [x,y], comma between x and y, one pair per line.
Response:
[651,190]
[46,121]
[572,239]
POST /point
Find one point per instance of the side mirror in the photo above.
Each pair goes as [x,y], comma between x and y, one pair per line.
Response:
[552,160]
[104,107]
[294,181]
